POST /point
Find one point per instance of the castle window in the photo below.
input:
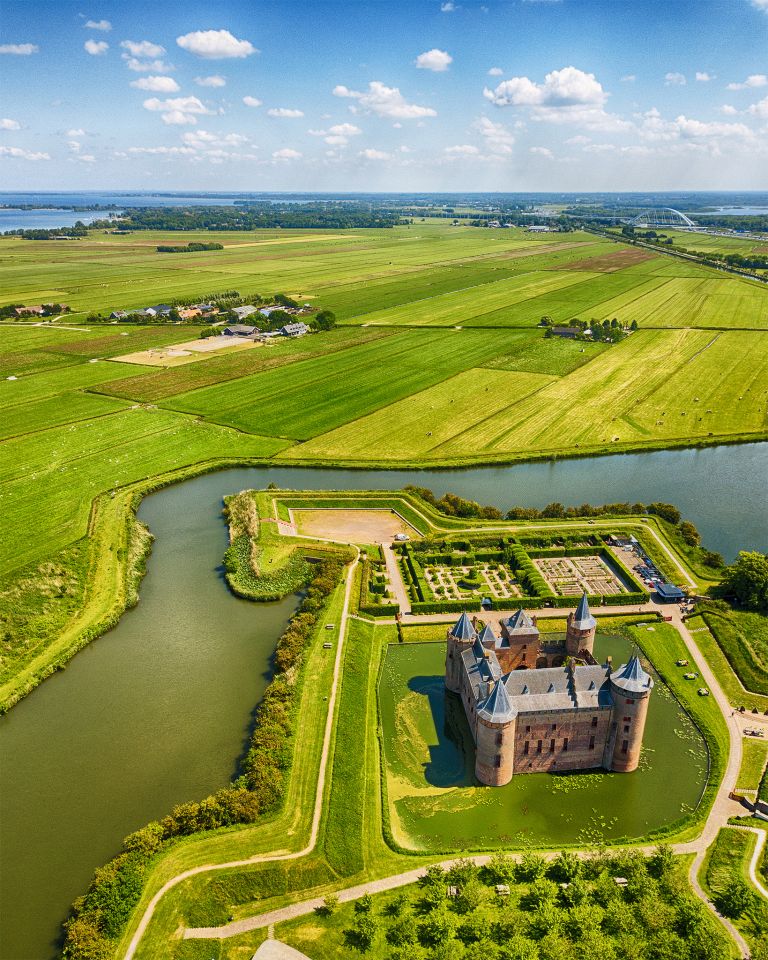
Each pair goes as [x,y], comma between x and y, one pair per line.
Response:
[499,738]
[538,746]
[624,746]
[527,729]
[565,745]
[629,702]
[594,721]
[627,719]
[554,726]
[626,728]
[551,746]
[591,743]
[525,748]
[498,760]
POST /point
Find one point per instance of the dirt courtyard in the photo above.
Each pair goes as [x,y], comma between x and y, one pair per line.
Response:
[176,354]
[352,526]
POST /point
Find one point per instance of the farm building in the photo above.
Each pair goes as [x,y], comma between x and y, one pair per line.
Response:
[570,333]
[669,593]
[294,330]
[240,330]
[245,311]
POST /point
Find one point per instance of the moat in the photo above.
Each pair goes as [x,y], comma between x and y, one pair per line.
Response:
[157,711]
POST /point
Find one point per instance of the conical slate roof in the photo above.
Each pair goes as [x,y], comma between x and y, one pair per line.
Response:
[631,677]
[488,636]
[583,619]
[519,621]
[478,649]
[497,708]
[463,629]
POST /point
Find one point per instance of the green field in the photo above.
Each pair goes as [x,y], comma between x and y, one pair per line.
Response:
[394,383]
[655,386]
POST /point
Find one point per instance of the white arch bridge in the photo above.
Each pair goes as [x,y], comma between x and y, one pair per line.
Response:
[661,217]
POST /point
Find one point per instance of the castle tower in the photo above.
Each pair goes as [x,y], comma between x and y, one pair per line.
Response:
[460,636]
[631,690]
[495,737]
[580,632]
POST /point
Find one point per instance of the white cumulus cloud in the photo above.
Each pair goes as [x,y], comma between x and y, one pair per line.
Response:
[495,72]
[156,84]
[674,79]
[448,7]
[703,77]
[213,81]
[286,153]
[561,88]
[215,45]
[542,152]
[7,124]
[752,82]
[371,154]
[96,48]
[104,25]
[76,132]
[285,113]
[146,66]
[142,48]
[252,101]
[496,136]
[463,149]
[385,101]
[19,49]
[19,154]
[436,60]
[177,111]
[760,109]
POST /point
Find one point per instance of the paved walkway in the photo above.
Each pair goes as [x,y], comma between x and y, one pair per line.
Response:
[275,950]
[396,579]
[327,737]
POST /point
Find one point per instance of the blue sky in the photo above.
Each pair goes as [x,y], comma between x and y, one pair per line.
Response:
[519,95]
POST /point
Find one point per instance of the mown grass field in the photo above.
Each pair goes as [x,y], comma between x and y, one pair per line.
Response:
[654,386]
[393,383]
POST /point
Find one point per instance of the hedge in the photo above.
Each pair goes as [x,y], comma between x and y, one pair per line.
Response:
[381,610]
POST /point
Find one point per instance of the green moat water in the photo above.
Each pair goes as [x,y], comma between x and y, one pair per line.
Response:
[436,804]
[157,711]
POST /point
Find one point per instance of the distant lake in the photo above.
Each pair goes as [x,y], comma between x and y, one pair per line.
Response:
[11,219]
[743,211]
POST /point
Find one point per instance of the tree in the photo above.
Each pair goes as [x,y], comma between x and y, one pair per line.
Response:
[329,907]
[364,904]
[690,534]
[325,320]
[747,580]
[633,325]
[437,927]
[661,861]
[501,868]
[541,891]
[736,899]
[530,867]
[364,930]
[403,930]
[565,867]
[666,511]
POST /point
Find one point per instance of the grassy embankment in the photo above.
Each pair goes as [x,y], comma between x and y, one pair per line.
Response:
[727,866]
[730,681]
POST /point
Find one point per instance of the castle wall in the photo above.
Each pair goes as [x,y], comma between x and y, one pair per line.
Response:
[628,725]
[586,733]
[494,753]
[578,640]
[522,655]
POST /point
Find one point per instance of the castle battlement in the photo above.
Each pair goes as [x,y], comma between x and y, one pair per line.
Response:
[532,717]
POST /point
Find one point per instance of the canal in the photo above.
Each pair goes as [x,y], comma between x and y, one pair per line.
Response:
[158,710]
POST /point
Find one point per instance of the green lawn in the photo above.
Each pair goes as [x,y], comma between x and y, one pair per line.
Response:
[743,638]
[304,399]
[753,761]
[727,864]
[655,388]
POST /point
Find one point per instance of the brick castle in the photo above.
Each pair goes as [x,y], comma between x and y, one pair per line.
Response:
[536,707]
